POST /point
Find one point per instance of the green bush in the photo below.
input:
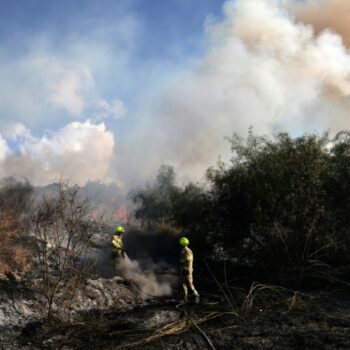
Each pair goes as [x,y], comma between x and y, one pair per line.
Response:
[281,204]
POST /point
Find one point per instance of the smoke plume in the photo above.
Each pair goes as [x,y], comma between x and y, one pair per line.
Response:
[326,15]
[263,68]
[142,272]
[147,283]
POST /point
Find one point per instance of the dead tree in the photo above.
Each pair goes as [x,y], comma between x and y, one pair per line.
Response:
[63,228]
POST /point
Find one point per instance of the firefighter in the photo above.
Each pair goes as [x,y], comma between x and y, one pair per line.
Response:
[186,269]
[117,246]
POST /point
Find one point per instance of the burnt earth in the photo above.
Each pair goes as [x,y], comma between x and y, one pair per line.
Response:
[111,316]
[156,324]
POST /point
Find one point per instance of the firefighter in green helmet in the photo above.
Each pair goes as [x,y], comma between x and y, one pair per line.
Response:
[117,246]
[186,269]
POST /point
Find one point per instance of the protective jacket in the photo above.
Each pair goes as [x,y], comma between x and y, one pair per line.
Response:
[186,272]
[117,243]
[186,261]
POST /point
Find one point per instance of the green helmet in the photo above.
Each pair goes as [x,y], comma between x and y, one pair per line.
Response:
[120,229]
[184,241]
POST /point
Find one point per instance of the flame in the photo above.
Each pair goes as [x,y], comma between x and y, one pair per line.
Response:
[121,214]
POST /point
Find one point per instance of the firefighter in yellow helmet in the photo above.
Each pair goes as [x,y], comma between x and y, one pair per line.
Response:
[186,269]
[117,246]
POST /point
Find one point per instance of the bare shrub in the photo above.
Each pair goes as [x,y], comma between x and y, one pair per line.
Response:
[63,228]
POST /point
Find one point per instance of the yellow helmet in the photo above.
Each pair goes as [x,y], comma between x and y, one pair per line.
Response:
[184,241]
[120,229]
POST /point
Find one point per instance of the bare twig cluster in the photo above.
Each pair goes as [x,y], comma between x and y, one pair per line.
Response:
[63,230]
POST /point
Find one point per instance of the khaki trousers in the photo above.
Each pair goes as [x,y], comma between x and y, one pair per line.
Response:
[187,284]
[117,256]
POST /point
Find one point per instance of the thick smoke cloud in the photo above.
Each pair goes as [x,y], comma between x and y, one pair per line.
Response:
[326,14]
[271,64]
[77,152]
[264,69]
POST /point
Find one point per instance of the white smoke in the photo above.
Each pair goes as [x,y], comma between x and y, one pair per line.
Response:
[148,278]
[77,152]
[69,89]
[262,69]
[147,283]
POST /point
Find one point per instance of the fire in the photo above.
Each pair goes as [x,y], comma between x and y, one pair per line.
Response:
[121,214]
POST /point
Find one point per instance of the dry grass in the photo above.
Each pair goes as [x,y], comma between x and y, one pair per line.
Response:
[239,302]
[13,256]
[100,327]
[263,294]
[14,205]
[173,328]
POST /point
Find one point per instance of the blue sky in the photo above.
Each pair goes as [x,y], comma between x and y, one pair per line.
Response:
[131,42]
[178,22]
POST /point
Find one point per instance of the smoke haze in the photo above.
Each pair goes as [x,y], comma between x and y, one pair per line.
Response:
[274,65]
